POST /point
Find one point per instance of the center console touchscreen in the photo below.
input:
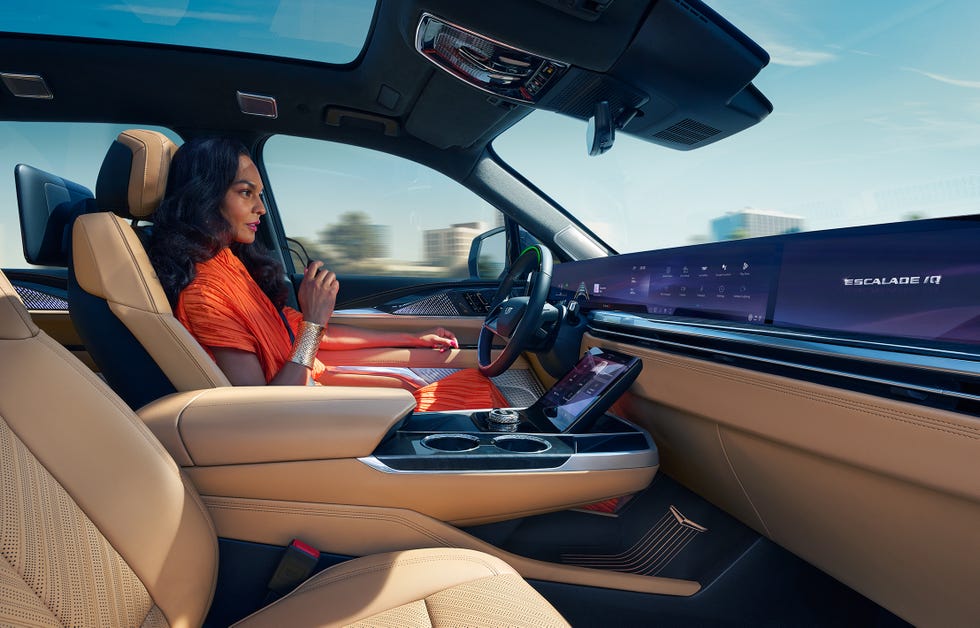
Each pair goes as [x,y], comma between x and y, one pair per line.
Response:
[585,393]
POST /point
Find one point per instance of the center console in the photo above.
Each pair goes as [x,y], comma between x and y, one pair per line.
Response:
[567,429]
[343,448]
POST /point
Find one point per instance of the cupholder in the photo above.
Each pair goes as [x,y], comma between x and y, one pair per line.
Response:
[522,444]
[451,442]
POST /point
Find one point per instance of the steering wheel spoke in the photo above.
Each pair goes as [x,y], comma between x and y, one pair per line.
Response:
[490,324]
[515,319]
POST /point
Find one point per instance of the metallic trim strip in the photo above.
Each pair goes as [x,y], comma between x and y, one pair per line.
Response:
[614,461]
[813,344]
[779,332]
[795,365]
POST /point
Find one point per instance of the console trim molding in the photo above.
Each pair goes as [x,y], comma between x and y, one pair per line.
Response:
[597,461]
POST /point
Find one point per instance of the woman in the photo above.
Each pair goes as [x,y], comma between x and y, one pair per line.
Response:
[230,294]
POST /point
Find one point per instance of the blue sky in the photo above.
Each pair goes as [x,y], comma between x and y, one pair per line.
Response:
[876,104]
[877,115]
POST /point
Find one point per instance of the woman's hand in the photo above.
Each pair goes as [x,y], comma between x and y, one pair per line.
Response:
[317,294]
[439,339]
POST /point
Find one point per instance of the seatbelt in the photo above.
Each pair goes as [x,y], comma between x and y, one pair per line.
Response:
[289,330]
[298,561]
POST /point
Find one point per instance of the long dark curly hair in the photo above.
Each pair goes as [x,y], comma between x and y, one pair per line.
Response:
[188,227]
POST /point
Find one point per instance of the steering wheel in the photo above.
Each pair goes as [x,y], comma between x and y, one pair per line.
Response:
[515,319]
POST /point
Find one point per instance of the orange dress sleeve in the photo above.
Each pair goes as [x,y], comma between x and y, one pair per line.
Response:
[224,307]
[211,319]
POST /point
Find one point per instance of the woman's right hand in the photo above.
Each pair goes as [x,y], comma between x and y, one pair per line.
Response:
[317,294]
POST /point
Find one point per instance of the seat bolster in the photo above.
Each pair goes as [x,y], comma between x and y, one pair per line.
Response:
[115,471]
[365,587]
[15,322]
[110,263]
[178,354]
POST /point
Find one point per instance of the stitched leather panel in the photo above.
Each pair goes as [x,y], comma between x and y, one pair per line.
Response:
[58,552]
[155,619]
[413,615]
[502,600]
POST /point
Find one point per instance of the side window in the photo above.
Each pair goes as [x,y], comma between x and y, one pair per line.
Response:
[365,212]
[72,151]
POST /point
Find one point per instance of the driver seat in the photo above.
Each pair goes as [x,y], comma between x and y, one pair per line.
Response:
[117,303]
[101,528]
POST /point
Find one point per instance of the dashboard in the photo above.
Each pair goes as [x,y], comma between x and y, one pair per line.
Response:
[917,280]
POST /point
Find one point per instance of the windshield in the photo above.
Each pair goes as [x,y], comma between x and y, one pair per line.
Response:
[875,121]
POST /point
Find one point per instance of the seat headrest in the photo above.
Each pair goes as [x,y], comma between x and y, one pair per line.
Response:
[134,173]
[15,322]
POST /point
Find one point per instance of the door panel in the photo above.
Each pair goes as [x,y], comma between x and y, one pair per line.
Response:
[881,494]
[467,329]
[45,294]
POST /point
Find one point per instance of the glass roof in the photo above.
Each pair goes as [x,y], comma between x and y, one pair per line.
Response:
[330,31]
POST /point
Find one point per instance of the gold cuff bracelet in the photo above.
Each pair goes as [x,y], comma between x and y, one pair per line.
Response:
[307,344]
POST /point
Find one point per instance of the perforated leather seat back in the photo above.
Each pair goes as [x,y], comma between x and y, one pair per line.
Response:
[97,525]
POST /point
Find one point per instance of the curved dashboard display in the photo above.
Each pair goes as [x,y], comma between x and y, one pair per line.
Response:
[916,280]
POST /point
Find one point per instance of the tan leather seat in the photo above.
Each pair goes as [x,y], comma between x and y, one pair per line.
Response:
[98,527]
[115,280]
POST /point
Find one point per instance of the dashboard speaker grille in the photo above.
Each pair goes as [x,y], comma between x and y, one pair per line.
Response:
[687,132]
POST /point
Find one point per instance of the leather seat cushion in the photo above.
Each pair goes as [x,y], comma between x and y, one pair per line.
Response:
[426,587]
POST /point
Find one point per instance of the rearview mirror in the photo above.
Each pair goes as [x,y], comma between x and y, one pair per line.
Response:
[601,132]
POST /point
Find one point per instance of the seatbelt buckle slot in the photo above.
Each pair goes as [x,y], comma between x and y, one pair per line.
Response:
[297,563]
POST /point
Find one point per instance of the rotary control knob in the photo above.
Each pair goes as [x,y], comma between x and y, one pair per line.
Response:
[503,420]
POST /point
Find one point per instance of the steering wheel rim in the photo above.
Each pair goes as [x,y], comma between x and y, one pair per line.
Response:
[515,319]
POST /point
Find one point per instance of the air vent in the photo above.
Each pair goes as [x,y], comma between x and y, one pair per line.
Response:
[26,85]
[687,132]
[258,105]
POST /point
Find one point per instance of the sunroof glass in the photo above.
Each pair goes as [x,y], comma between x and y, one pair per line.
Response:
[330,31]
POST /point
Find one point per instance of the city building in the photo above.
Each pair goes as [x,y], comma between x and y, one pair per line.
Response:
[753,223]
[452,244]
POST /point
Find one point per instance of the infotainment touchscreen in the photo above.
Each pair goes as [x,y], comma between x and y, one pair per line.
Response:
[728,281]
[921,284]
[586,392]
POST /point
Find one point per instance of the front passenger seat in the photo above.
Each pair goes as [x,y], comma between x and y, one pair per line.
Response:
[98,527]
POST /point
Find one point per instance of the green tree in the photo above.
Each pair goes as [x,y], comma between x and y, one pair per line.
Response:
[354,238]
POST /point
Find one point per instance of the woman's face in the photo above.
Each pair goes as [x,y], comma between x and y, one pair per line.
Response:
[242,206]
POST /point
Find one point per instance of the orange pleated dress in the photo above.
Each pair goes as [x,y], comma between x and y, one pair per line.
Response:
[224,307]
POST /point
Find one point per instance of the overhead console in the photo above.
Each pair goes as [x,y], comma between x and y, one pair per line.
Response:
[682,81]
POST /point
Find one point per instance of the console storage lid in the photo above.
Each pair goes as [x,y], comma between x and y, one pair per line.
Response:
[256,424]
